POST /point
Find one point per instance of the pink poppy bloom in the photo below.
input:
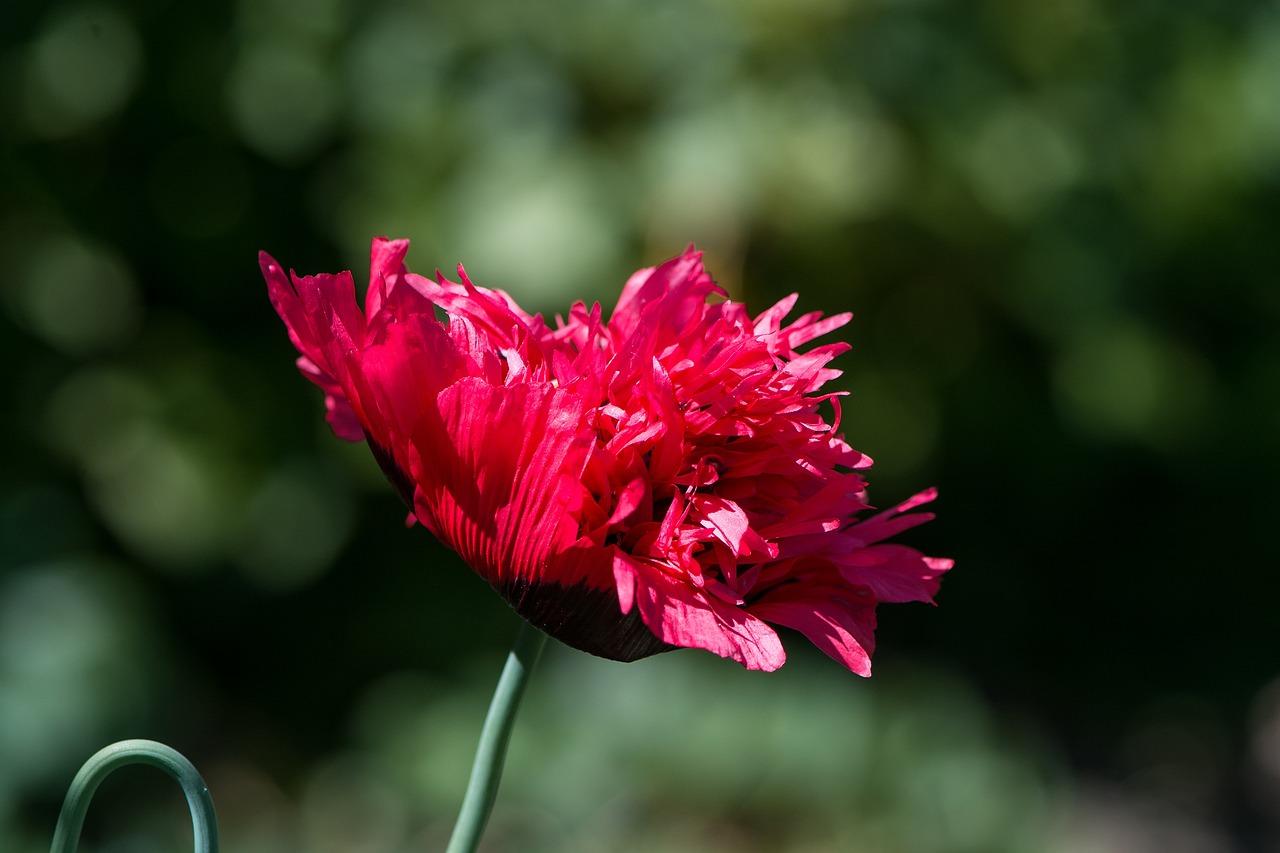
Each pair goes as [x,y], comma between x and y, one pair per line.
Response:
[662,478]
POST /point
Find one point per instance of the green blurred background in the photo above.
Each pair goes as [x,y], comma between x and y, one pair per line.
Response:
[1055,223]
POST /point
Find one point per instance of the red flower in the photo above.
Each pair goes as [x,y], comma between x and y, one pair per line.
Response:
[660,479]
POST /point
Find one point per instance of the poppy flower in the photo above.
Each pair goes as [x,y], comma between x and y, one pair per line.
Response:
[661,478]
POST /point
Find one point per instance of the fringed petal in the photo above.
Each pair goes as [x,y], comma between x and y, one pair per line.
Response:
[843,629]
[682,616]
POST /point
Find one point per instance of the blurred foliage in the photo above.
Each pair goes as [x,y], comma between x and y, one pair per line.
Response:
[1054,221]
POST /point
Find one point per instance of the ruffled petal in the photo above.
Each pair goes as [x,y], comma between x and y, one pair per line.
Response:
[496,468]
[896,519]
[386,269]
[894,573]
[682,616]
[843,629]
[306,316]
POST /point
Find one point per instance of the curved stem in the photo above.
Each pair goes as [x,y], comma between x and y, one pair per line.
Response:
[204,824]
[486,772]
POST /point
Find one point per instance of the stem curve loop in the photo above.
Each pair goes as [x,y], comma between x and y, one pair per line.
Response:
[204,823]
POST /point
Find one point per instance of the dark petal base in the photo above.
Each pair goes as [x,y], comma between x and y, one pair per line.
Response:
[398,479]
[581,616]
[584,617]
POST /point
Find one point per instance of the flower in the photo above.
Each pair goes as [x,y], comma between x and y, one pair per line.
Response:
[663,478]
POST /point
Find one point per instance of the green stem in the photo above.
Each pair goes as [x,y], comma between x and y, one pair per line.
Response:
[486,772]
[203,822]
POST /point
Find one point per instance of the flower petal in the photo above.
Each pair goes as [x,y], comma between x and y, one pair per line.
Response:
[386,268]
[496,468]
[894,573]
[306,318]
[839,620]
[893,521]
[683,616]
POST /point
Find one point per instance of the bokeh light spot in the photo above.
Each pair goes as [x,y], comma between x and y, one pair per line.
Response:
[69,666]
[282,100]
[294,525]
[83,67]
[698,177]
[394,68]
[1019,158]
[830,157]
[79,296]
[535,217]
[168,497]
[1121,379]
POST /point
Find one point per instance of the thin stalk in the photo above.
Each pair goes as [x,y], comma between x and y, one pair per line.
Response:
[204,824]
[486,771]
